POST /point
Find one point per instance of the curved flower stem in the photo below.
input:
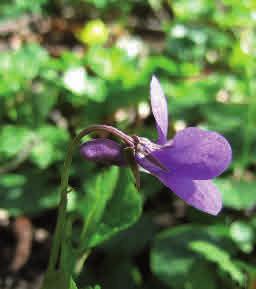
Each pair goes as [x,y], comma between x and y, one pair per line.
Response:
[61,221]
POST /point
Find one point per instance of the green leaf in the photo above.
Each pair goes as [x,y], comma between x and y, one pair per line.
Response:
[29,193]
[187,10]
[20,8]
[18,67]
[200,277]
[42,102]
[243,234]
[51,147]
[44,146]
[122,210]
[113,64]
[217,255]
[173,261]
[238,195]
[131,241]
[225,118]
[98,192]
[14,139]
[73,285]
[96,89]
[111,204]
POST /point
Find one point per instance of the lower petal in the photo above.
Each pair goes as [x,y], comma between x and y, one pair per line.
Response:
[201,194]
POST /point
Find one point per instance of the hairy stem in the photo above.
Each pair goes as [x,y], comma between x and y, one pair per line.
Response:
[61,221]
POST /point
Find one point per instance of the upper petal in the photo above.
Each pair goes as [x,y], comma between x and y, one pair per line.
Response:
[195,154]
[201,194]
[159,109]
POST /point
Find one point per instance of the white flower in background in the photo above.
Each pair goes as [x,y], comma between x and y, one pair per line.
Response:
[74,79]
[179,31]
[144,109]
[133,46]
[179,125]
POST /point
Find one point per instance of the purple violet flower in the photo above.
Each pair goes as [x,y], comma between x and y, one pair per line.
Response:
[186,164]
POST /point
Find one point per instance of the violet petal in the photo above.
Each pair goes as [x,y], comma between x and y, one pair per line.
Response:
[201,194]
[103,151]
[194,154]
[159,109]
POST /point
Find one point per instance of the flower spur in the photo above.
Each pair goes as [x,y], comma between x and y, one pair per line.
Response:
[186,164]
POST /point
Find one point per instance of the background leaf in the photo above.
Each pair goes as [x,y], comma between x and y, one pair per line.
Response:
[237,195]
[175,255]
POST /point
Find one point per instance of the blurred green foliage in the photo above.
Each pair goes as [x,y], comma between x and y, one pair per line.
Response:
[67,64]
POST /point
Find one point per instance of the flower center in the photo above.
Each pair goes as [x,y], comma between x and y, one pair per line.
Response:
[144,149]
